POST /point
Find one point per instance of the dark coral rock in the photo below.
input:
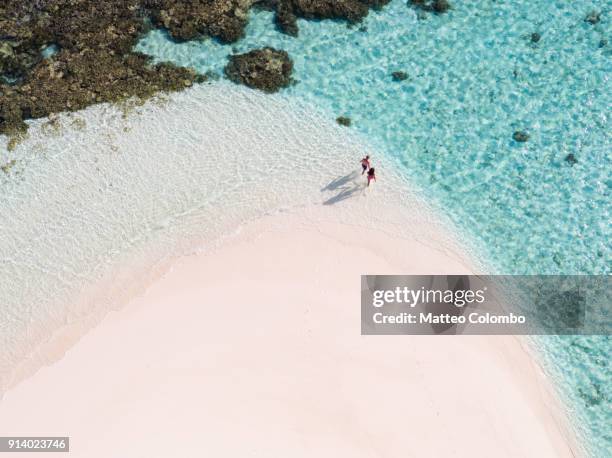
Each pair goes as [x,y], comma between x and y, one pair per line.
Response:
[93,60]
[593,17]
[11,115]
[287,11]
[186,20]
[84,24]
[399,76]
[73,82]
[351,10]
[375,4]
[535,37]
[440,6]
[343,121]
[571,159]
[434,6]
[267,69]
[15,61]
[520,136]
[286,19]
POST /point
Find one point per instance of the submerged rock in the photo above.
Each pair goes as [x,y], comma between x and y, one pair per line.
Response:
[535,37]
[520,136]
[267,69]
[399,76]
[571,159]
[440,6]
[288,11]
[593,396]
[343,121]
[286,19]
[434,6]
[593,17]
[6,168]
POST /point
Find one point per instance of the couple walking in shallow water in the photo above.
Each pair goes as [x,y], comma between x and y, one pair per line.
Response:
[365,167]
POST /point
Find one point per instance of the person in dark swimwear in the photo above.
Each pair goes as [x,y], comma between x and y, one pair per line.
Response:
[365,164]
[371,175]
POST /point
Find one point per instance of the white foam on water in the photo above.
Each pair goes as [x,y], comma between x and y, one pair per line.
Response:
[94,209]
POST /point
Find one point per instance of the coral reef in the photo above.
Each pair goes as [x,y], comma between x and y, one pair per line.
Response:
[267,69]
[63,55]
[94,61]
[288,11]
[520,136]
[571,159]
[593,17]
[343,121]
[186,20]
[434,6]
[399,76]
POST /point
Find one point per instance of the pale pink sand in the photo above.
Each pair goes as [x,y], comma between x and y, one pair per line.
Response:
[255,350]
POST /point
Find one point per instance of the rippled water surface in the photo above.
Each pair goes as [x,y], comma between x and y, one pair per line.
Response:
[475,76]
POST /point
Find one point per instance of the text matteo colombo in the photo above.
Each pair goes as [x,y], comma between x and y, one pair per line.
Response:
[459,298]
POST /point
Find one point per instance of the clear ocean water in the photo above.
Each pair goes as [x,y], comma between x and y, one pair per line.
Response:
[475,77]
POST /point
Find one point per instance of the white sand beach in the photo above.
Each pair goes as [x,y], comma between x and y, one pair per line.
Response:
[251,346]
[98,203]
[254,349]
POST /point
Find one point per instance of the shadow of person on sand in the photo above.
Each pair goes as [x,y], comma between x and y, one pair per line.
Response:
[341,181]
[347,186]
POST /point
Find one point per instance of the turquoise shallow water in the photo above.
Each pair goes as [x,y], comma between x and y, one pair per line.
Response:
[475,77]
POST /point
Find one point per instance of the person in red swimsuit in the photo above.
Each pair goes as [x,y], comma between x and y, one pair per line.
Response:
[365,164]
[371,175]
